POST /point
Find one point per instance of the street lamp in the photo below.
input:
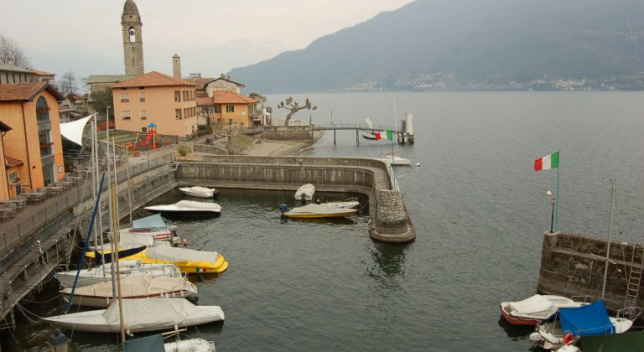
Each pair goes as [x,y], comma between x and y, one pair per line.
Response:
[552,215]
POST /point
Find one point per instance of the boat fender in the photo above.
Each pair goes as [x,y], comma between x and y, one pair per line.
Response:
[569,338]
[185,242]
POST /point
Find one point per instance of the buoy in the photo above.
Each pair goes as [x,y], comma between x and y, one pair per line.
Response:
[418,164]
[569,338]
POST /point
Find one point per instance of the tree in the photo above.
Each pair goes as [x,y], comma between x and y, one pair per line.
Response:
[101,100]
[67,83]
[294,107]
[11,53]
[208,111]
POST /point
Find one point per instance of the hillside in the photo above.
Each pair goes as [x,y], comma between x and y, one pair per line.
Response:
[469,45]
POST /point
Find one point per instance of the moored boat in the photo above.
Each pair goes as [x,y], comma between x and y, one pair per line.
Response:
[342,204]
[316,211]
[153,314]
[198,191]
[100,295]
[103,273]
[305,193]
[188,207]
[534,309]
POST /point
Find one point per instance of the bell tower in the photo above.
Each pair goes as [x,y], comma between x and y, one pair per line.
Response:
[132,39]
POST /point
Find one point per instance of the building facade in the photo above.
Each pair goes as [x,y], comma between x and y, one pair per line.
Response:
[223,83]
[227,108]
[33,148]
[155,99]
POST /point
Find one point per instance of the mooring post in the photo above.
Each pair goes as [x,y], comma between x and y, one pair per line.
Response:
[357,137]
[334,130]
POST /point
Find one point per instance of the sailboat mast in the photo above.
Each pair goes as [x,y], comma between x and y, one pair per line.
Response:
[610,227]
[115,260]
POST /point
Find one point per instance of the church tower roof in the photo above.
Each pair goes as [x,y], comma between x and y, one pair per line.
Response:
[129,8]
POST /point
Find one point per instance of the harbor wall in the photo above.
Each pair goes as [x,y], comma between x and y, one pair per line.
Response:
[389,219]
[573,265]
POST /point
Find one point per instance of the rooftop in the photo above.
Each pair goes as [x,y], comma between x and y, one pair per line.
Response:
[25,91]
[153,79]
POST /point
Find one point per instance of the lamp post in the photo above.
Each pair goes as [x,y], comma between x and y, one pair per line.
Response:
[552,215]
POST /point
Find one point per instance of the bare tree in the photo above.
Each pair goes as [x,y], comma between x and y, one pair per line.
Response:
[67,83]
[294,107]
[208,111]
[11,53]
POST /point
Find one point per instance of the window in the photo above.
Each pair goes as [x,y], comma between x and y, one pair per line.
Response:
[142,96]
[13,176]
[177,95]
[132,33]
[230,108]
[144,114]
[217,109]
[177,114]
[125,114]
[42,110]
[125,97]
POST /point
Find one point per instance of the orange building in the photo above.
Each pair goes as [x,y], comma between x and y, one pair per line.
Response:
[158,99]
[229,108]
[33,151]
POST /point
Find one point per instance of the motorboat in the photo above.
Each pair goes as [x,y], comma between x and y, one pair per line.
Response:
[342,204]
[187,207]
[152,314]
[100,295]
[395,160]
[568,324]
[103,273]
[534,309]
[305,193]
[198,191]
[316,211]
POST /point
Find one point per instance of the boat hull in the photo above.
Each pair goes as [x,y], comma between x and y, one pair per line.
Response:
[514,320]
[319,216]
[104,302]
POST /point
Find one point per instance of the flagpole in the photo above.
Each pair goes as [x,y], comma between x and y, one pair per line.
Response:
[557,194]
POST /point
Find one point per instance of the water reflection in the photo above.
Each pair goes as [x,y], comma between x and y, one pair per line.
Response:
[515,332]
[389,257]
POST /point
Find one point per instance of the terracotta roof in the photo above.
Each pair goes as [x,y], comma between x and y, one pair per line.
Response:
[13,68]
[43,73]
[11,162]
[153,79]
[201,82]
[107,78]
[26,91]
[230,97]
[205,101]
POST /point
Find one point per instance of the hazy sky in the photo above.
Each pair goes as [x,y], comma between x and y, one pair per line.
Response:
[211,36]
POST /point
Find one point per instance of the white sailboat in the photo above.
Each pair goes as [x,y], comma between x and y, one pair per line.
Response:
[103,273]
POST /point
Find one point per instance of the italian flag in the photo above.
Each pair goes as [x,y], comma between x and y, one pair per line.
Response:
[547,162]
[389,135]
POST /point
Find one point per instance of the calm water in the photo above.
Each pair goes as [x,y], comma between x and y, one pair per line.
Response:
[479,211]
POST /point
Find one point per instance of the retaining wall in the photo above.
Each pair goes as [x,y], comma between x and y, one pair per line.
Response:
[573,265]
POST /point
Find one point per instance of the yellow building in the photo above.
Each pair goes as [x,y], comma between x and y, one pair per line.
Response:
[228,108]
[157,99]
[33,152]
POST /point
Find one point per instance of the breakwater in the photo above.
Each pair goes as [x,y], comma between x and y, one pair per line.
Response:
[573,265]
[389,219]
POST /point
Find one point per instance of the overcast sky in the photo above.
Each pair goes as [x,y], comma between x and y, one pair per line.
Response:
[210,36]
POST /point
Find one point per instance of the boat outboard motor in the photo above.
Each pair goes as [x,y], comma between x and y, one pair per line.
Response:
[283,208]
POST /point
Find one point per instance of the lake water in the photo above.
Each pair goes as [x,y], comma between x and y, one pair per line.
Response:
[479,211]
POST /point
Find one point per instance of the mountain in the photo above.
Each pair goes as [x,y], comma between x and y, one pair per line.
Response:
[469,44]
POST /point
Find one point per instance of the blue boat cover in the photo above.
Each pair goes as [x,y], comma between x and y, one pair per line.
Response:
[586,320]
[151,222]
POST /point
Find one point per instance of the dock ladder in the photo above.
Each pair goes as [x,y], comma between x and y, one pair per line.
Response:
[320,179]
[634,279]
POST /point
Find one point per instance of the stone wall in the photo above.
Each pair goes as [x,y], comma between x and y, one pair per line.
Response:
[573,265]
[210,149]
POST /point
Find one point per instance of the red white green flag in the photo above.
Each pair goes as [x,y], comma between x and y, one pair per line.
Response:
[389,135]
[547,162]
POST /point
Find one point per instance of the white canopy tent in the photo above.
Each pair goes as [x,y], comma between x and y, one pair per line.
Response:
[74,130]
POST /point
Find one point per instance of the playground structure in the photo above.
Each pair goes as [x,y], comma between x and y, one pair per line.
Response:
[148,141]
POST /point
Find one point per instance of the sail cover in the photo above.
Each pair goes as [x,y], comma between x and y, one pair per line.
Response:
[74,130]
[150,222]
[587,320]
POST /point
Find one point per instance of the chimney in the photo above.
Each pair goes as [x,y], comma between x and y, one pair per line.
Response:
[176,66]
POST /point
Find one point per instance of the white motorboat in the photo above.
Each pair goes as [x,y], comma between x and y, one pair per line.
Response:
[316,211]
[532,310]
[135,287]
[395,160]
[103,273]
[198,191]
[305,192]
[187,207]
[568,324]
[153,314]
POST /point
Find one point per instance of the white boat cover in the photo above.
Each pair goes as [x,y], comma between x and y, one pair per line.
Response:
[74,130]
[127,268]
[139,285]
[152,314]
[305,192]
[344,204]
[187,206]
[319,209]
[173,254]
[541,305]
